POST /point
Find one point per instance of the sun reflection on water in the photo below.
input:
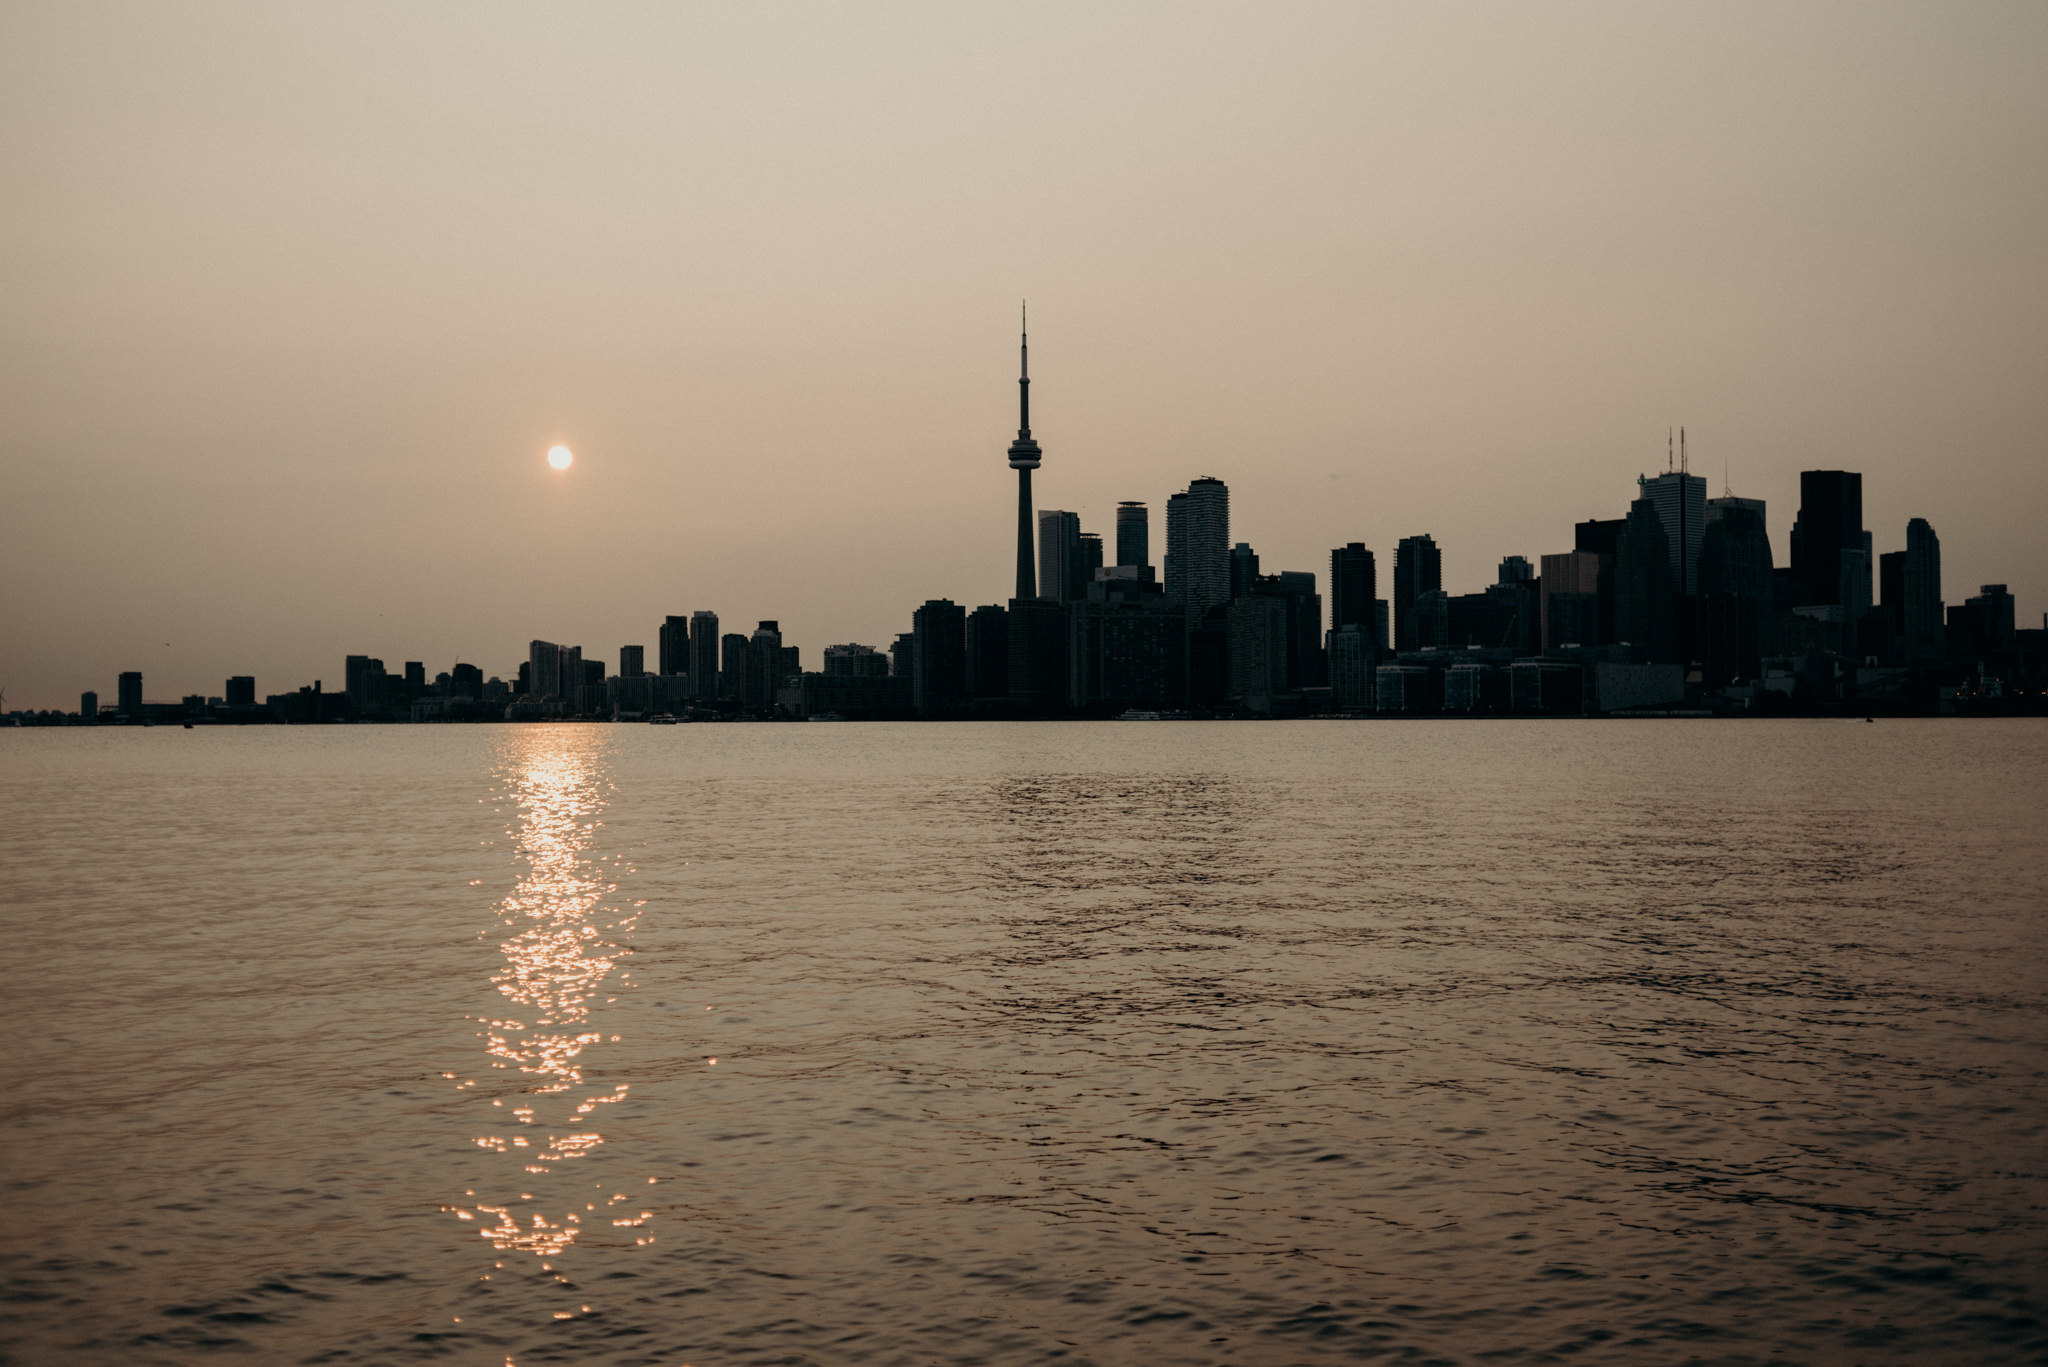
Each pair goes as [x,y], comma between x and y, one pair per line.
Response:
[563,934]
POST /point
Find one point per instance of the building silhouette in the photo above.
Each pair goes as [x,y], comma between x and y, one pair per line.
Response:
[1059,555]
[1198,547]
[1735,592]
[241,691]
[1920,626]
[703,661]
[1642,585]
[672,646]
[1133,535]
[1354,585]
[633,662]
[1418,569]
[988,652]
[732,665]
[856,660]
[1680,500]
[938,671]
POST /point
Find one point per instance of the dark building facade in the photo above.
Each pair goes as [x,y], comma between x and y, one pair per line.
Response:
[1354,586]
[1642,586]
[988,652]
[1418,569]
[938,678]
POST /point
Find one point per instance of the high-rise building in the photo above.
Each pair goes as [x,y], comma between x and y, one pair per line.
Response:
[1198,547]
[1828,545]
[1133,535]
[241,691]
[1258,651]
[757,691]
[1059,554]
[1920,629]
[1354,655]
[938,677]
[732,665]
[988,652]
[703,660]
[903,655]
[128,694]
[1571,600]
[1516,569]
[1037,631]
[1302,626]
[1024,458]
[1680,500]
[1602,537]
[1087,560]
[1244,569]
[1418,569]
[1354,584]
[1735,592]
[88,705]
[672,647]
[632,662]
[1642,585]
[1127,646]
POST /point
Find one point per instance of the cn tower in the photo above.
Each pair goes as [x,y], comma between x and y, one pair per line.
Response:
[1024,459]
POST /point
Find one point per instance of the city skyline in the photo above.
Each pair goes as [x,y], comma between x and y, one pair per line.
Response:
[280,371]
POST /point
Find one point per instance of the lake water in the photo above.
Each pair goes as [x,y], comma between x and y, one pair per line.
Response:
[1404,1042]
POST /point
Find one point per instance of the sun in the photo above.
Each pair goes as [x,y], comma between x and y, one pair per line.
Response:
[561,457]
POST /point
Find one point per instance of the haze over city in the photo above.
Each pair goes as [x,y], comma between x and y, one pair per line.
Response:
[299,300]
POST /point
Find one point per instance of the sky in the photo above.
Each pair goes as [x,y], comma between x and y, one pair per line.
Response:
[297,297]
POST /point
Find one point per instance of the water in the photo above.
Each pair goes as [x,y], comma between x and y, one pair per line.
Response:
[1627,1043]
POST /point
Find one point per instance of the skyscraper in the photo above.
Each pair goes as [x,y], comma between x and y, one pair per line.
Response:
[1571,599]
[1133,535]
[988,652]
[703,655]
[1354,584]
[763,657]
[1059,552]
[1024,456]
[938,672]
[1735,591]
[1418,569]
[1198,546]
[672,648]
[128,694]
[1680,500]
[1642,585]
[1921,630]
[1244,569]
[632,661]
[1828,544]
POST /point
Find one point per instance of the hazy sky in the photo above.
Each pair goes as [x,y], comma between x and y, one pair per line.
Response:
[293,300]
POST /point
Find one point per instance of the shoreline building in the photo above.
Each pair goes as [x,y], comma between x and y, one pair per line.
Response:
[1198,547]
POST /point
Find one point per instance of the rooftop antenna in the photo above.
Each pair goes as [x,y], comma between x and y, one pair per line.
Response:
[1682,466]
[1727,490]
[1667,450]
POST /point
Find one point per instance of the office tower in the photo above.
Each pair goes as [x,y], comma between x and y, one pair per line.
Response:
[415,679]
[1244,569]
[1517,594]
[1354,584]
[938,677]
[1133,535]
[632,662]
[1198,547]
[856,661]
[1992,618]
[1680,500]
[1717,506]
[1088,560]
[1602,537]
[241,691]
[1418,569]
[1126,646]
[732,665]
[1828,542]
[1891,592]
[672,646]
[702,665]
[1736,592]
[1432,616]
[1059,553]
[1516,569]
[1489,619]
[1024,457]
[1354,655]
[1571,600]
[903,655]
[465,681]
[1037,629]
[757,688]
[1258,651]
[1302,628]
[572,678]
[1642,585]
[544,671]
[988,652]
[1921,628]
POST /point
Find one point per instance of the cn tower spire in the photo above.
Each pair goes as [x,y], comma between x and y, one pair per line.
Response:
[1024,454]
